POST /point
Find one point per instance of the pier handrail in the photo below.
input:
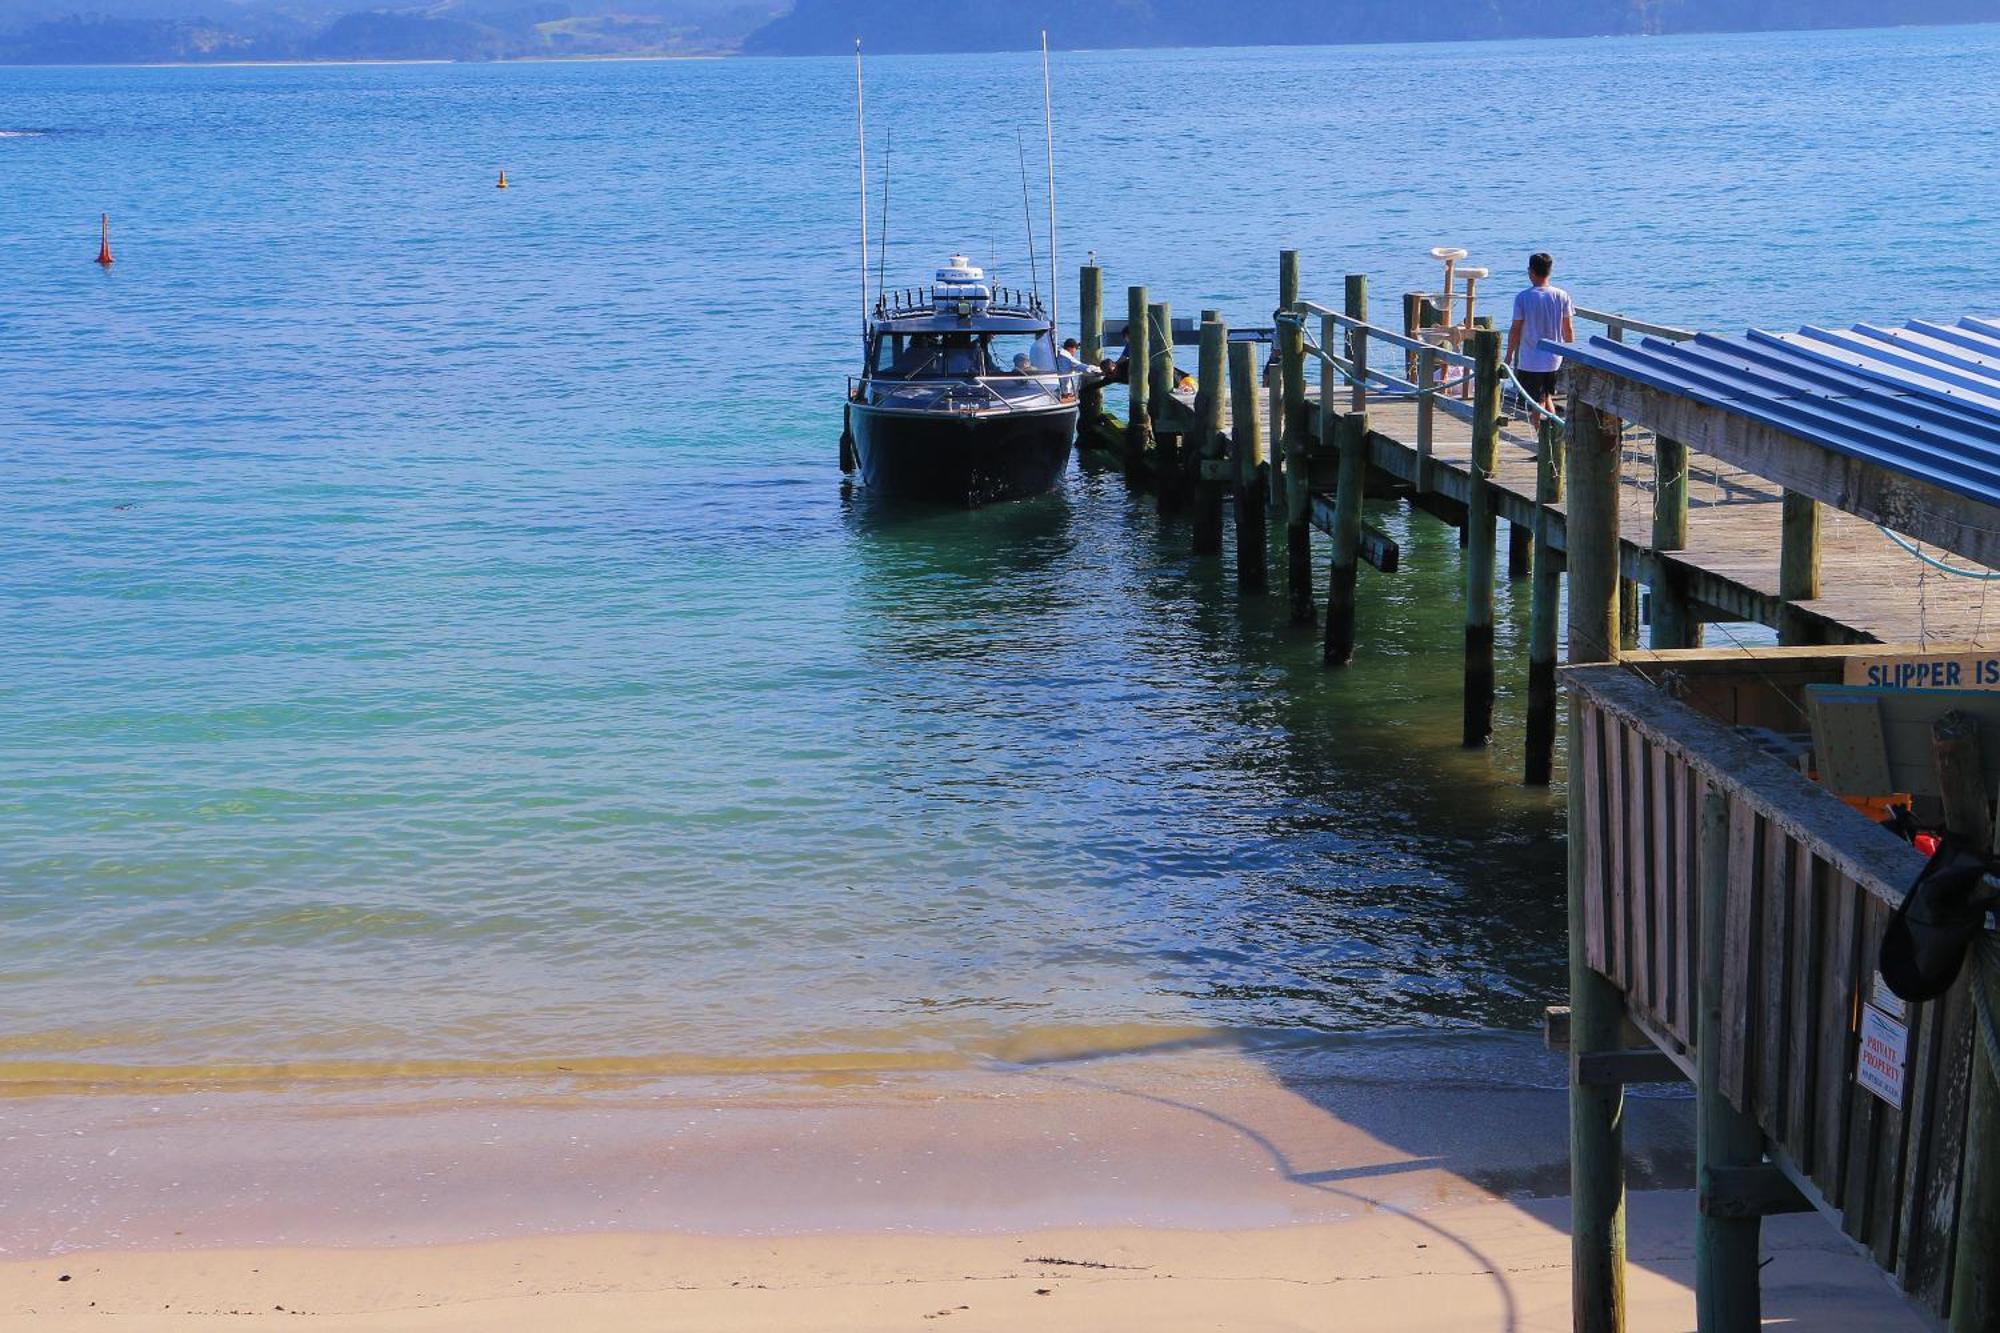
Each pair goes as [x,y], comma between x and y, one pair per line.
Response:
[1617,326]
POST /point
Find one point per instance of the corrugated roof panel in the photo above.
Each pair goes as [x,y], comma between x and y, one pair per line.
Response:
[1922,400]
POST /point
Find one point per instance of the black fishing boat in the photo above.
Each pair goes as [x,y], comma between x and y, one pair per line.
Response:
[963,397]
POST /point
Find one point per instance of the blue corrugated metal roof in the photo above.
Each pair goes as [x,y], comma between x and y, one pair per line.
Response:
[1922,400]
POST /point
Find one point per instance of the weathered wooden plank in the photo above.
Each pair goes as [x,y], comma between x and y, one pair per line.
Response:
[1589,779]
[1774,956]
[1808,884]
[1739,942]
[1618,883]
[1836,1039]
[1638,866]
[1688,924]
[1886,1170]
[1660,838]
[1932,1229]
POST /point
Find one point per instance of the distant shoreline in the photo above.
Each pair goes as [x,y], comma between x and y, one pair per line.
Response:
[316,64]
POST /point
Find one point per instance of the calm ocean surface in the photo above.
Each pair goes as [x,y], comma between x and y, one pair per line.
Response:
[435,630]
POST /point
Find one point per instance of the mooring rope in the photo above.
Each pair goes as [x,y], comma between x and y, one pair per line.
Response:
[1983,575]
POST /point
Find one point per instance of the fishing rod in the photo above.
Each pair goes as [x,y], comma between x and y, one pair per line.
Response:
[861,134]
[882,258]
[1049,134]
[1028,216]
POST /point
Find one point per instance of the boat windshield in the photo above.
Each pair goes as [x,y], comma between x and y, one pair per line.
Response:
[922,356]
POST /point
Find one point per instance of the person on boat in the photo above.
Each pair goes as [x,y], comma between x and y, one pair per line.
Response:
[1540,311]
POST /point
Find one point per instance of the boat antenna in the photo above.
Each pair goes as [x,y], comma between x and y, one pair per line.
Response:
[1028,216]
[882,252]
[1049,134]
[861,133]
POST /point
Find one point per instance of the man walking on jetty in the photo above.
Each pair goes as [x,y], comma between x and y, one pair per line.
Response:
[1540,311]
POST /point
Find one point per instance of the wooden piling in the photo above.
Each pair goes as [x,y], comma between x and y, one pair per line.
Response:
[1727,1299]
[1210,387]
[1356,307]
[1544,602]
[1344,565]
[1596,1110]
[1297,445]
[1798,566]
[1426,418]
[1520,550]
[1167,465]
[1138,422]
[1675,624]
[1090,334]
[1274,460]
[1246,442]
[1480,539]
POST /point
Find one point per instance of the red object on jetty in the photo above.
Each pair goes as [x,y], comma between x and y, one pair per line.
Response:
[104,239]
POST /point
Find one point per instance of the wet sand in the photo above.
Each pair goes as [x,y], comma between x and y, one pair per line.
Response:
[1192,1190]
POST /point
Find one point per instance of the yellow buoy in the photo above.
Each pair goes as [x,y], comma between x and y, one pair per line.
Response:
[503,182]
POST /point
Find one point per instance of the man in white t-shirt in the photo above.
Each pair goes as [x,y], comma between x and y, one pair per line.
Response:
[1540,311]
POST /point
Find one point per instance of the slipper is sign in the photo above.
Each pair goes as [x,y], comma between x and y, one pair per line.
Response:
[1926,671]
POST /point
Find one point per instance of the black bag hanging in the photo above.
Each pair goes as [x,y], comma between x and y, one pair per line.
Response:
[1924,947]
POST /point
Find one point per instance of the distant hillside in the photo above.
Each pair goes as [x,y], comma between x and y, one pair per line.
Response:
[825,26]
[132,31]
[135,31]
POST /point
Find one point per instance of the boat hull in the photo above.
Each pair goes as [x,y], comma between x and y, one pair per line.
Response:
[960,458]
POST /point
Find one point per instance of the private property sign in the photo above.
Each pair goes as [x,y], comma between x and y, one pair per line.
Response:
[1878,1066]
[1926,671]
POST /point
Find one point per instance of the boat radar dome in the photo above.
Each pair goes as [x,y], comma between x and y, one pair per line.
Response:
[961,289]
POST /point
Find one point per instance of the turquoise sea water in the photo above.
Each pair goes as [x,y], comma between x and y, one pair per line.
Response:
[435,628]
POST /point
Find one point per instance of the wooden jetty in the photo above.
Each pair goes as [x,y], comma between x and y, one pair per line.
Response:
[1725,908]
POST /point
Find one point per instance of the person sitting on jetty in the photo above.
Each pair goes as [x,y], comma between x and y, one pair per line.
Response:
[1540,311]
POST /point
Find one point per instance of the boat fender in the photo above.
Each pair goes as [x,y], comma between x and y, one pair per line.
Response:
[846,439]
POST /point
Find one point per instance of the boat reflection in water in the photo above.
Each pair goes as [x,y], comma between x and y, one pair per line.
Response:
[963,396]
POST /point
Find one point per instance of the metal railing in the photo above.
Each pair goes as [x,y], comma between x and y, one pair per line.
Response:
[942,392]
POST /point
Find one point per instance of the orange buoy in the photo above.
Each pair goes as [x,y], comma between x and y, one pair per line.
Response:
[104,239]
[503,182]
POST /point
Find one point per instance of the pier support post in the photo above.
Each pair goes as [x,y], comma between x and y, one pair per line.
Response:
[1520,550]
[1138,422]
[1726,1296]
[1798,567]
[1355,305]
[1544,602]
[1344,567]
[1297,445]
[1090,305]
[1246,440]
[1596,1111]
[1480,539]
[1159,386]
[1208,402]
[1675,624]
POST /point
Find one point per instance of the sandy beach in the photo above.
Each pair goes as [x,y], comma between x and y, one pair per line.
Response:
[1204,1189]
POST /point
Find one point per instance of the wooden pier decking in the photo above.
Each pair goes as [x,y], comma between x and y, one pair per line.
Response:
[1871,590]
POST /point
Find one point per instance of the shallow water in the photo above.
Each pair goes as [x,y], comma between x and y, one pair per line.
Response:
[436,630]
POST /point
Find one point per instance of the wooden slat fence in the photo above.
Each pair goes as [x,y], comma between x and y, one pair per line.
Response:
[1811,888]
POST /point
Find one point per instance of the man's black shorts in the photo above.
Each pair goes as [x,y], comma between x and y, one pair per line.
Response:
[1540,384]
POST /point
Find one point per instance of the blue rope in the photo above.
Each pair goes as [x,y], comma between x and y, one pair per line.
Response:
[1983,576]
